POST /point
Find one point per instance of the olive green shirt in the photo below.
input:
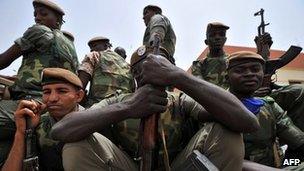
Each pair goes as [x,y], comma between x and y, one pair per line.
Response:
[161,25]
[179,123]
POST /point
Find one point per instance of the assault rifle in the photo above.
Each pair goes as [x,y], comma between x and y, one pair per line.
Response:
[272,64]
[149,149]
[31,162]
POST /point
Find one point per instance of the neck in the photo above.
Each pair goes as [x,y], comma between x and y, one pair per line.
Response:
[216,52]
[241,95]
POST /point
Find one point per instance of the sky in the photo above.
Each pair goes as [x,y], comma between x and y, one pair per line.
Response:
[121,21]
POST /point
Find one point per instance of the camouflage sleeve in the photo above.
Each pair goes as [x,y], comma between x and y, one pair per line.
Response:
[190,107]
[196,69]
[158,24]
[89,62]
[286,130]
[38,37]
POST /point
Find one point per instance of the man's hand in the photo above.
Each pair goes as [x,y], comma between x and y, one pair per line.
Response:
[157,70]
[263,40]
[263,91]
[147,100]
[28,108]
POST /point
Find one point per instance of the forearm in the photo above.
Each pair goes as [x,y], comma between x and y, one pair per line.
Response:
[9,56]
[221,104]
[15,158]
[78,125]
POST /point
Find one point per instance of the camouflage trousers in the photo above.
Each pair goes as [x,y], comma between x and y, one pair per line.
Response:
[291,99]
[224,148]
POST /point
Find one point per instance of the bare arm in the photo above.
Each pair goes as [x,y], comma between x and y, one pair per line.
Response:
[252,166]
[78,125]
[221,104]
[9,56]
[15,158]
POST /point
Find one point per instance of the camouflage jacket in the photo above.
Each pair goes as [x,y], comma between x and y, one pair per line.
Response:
[161,25]
[41,48]
[109,73]
[179,123]
[211,69]
[291,99]
[273,123]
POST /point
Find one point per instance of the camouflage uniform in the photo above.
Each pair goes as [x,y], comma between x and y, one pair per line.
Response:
[109,73]
[291,99]
[156,25]
[274,123]
[41,47]
[178,132]
[211,69]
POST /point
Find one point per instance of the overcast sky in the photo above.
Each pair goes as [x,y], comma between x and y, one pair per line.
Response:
[121,21]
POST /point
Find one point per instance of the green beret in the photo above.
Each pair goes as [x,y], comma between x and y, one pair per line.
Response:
[154,7]
[243,55]
[59,75]
[142,52]
[214,25]
[49,4]
[98,38]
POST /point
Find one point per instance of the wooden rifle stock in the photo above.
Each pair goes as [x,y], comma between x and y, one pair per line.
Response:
[150,131]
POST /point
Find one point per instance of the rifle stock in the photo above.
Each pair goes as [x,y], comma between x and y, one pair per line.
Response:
[31,162]
[150,131]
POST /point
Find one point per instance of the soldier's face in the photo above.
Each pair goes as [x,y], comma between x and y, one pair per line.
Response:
[98,46]
[45,17]
[245,78]
[216,38]
[61,98]
[147,15]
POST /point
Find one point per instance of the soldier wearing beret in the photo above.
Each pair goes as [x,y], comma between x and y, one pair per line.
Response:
[42,45]
[245,75]
[212,68]
[62,91]
[158,24]
[107,72]
[121,51]
[68,35]
[220,139]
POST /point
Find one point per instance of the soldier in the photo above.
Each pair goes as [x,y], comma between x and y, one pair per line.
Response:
[121,51]
[158,24]
[42,45]
[62,91]
[68,35]
[106,70]
[245,75]
[221,145]
[213,67]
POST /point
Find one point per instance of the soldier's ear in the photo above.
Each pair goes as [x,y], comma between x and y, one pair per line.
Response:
[206,42]
[79,95]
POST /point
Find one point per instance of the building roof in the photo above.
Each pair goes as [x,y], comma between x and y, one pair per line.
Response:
[296,64]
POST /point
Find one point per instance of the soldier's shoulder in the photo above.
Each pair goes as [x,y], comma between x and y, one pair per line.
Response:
[39,27]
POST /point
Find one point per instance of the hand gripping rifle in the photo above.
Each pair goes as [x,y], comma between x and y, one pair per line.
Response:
[149,149]
[261,30]
[30,162]
[273,64]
